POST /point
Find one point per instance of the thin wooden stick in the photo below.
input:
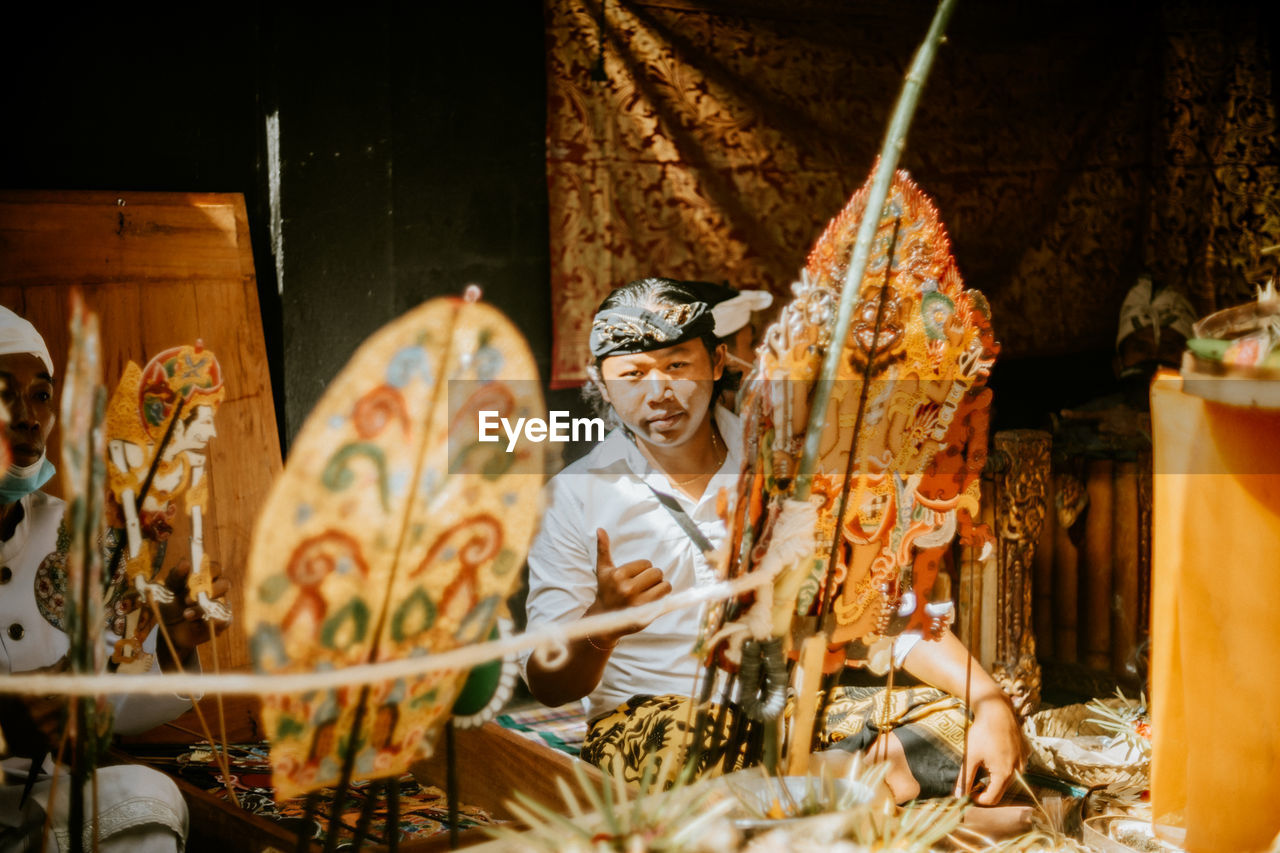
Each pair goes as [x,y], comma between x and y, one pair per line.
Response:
[304,830]
[97,829]
[222,714]
[392,831]
[366,814]
[344,781]
[79,761]
[451,782]
[221,758]
[894,141]
[962,784]
[53,790]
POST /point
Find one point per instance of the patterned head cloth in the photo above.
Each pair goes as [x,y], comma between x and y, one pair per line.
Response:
[1165,309]
[629,329]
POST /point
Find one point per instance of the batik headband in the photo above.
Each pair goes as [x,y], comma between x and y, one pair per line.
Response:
[629,329]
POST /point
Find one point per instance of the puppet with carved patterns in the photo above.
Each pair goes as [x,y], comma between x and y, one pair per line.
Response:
[159,424]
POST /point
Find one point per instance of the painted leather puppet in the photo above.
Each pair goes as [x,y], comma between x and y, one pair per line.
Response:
[393,532]
[159,424]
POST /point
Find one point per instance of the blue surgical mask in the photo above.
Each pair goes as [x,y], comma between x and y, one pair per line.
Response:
[21,481]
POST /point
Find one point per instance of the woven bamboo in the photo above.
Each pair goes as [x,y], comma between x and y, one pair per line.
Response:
[1069,743]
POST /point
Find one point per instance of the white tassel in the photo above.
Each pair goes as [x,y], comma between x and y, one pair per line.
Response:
[786,560]
[784,567]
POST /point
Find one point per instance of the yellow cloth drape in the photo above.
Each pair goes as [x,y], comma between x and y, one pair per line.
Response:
[1215,677]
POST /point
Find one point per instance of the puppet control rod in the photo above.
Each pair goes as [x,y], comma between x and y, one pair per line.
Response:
[895,139]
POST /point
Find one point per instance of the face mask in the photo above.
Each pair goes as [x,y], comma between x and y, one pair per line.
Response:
[22,481]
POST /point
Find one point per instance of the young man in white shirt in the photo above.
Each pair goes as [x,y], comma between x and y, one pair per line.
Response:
[607,542]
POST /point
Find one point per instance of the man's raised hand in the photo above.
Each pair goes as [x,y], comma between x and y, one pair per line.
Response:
[628,585]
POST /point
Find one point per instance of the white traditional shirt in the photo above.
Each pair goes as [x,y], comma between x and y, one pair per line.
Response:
[31,609]
[137,802]
[609,488]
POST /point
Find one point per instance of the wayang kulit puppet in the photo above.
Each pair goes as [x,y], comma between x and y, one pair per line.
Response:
[394,532]
[159,424]
[902,446]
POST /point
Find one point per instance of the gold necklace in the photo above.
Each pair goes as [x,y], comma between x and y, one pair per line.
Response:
[715,448]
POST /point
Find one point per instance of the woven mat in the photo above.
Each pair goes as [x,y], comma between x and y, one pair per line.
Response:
[563,728]
[423,809]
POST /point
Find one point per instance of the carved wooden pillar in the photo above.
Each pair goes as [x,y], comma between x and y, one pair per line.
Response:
[1020,465]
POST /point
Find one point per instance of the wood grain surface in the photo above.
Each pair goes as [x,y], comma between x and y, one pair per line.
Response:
[161,269]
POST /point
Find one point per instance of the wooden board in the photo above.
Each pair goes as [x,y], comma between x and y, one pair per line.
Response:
[495,762]
[160,269]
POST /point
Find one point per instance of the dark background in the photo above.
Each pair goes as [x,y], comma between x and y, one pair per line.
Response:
[412,144]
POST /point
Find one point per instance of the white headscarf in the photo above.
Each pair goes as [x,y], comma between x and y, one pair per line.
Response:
[19,336]
[735,313]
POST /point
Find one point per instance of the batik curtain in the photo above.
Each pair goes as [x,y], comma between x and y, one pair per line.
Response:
[713,140]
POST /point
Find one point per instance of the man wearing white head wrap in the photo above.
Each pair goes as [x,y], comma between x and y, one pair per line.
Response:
[138,809]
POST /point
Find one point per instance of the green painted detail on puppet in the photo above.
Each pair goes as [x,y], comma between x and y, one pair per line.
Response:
[415,615]
[495,462]
[936,309]
[504,562]
[288,726]
[338,475]
[487,359]
[766,460]
[482,682]
[273,588]
[354,613]
[426,700]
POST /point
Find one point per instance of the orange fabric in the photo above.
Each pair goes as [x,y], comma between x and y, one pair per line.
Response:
[1215,694]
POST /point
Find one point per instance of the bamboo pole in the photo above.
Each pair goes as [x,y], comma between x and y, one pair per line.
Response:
[895,140]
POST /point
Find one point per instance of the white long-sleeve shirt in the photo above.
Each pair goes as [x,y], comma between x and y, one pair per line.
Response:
[609,488]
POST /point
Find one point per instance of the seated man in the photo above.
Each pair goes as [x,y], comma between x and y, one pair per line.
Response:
[138,809]
[608,542]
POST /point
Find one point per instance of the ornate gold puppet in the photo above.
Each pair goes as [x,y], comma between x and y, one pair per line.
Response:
[159,424]
[902,446]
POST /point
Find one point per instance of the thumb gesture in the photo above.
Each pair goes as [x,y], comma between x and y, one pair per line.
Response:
[630,584]
[604,559]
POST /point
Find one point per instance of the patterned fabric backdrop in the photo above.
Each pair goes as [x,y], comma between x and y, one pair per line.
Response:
[713,140]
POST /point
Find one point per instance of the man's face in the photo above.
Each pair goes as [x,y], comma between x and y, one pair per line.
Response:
[194,437]
[28,394]
[663,396]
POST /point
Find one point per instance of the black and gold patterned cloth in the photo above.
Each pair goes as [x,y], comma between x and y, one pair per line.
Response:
[928,722]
